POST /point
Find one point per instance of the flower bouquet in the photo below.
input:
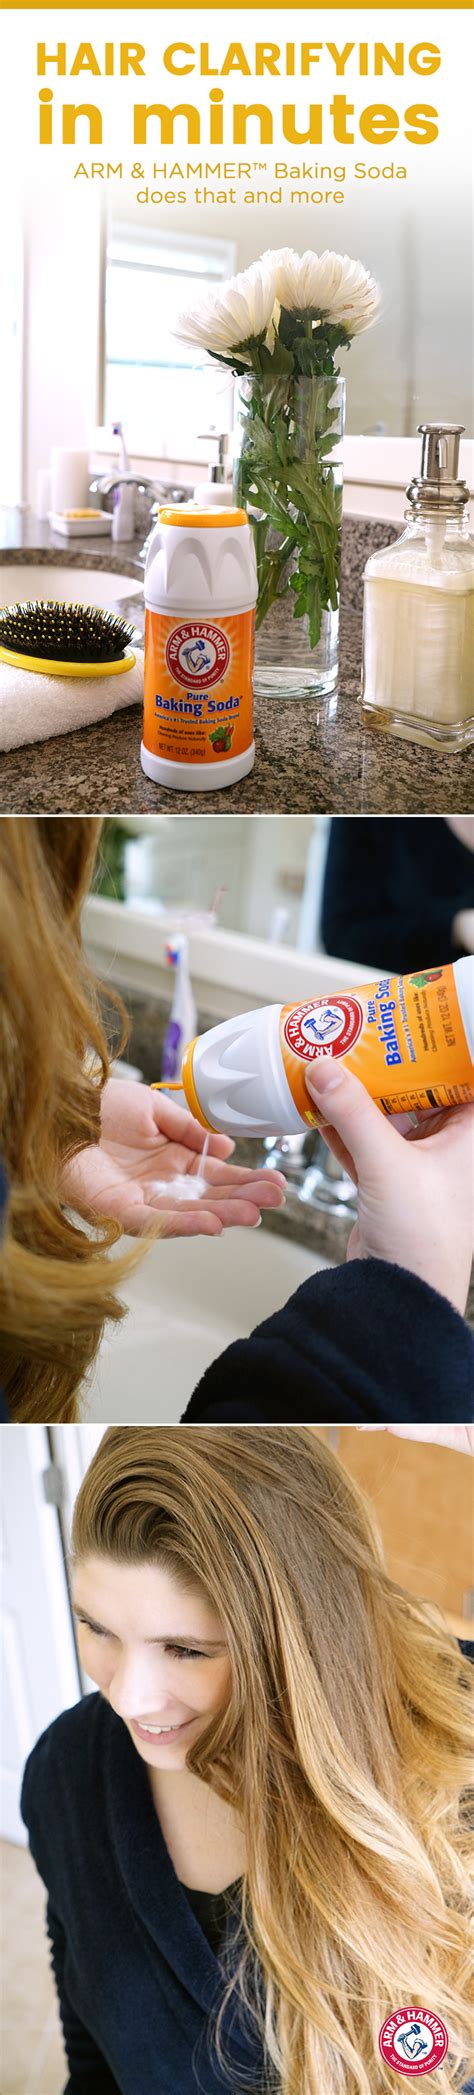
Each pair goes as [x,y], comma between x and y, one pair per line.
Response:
[278,326]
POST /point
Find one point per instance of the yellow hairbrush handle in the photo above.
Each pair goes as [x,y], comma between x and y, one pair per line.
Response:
[56,668]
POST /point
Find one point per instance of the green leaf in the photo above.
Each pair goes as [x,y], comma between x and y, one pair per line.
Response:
[288,326]
[307,356]
[277,361]
[325,444]
[288,427]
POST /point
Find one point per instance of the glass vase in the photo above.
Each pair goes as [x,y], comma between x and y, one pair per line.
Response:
[288,476]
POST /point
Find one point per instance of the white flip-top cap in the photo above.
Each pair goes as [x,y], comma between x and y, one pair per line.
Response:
[239,1078]
[201,561]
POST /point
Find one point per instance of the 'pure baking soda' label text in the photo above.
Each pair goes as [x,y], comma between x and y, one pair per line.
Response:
[402,1036]
[198,687]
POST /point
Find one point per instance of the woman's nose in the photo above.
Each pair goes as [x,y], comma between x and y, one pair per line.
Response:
[136,1689]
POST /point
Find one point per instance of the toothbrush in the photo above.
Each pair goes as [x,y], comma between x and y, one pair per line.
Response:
[124,458]
[181,1026]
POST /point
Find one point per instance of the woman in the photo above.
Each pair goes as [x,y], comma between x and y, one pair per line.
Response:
[75,1147]
[231,1585]
[381,1338]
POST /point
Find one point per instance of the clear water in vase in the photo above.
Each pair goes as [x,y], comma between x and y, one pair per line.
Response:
[288,475]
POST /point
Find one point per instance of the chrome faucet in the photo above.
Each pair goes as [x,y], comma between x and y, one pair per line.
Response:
[325,1184]
[286,1153]
[157,491]
[144,486]
[312,1172]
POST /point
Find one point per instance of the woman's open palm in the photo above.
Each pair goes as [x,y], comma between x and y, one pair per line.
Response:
[148,1161]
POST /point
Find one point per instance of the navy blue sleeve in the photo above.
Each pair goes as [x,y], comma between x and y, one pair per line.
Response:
[88,2071]
[362,1342]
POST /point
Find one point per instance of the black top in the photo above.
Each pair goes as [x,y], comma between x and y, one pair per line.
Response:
[212,1909]
[362,1342]
[136,1977]
[392,887]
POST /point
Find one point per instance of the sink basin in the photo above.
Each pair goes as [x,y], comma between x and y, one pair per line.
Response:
[187,1302]
[66,585]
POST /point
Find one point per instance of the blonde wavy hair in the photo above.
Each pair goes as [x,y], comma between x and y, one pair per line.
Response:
[345,1743]
[57,1285]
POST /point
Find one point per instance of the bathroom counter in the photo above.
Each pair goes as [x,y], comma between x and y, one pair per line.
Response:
[310,758]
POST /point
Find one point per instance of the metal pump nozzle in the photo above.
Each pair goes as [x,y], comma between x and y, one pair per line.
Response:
[438,489]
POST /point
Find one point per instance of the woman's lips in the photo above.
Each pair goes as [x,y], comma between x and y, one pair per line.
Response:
[152,1733]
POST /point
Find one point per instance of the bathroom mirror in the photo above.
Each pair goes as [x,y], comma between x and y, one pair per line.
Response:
[261,876]
[399,891]
[399,373]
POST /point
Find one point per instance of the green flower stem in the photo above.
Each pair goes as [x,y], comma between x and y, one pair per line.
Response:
[285,476]
[270,574]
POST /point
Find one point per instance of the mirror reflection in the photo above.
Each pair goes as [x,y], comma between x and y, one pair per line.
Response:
[384,892]
[401,372]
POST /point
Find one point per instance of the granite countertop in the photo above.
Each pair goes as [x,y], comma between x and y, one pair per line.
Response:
[310,758]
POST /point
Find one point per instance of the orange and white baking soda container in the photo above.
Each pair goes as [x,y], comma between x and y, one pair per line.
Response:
[409,1038]
[200,596]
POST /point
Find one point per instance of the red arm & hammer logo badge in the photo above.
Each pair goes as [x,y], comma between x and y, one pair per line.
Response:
[327,1026]
[197,654]
[413,2041]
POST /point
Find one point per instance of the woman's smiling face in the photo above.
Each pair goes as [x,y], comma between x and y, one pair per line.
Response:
[156,1650]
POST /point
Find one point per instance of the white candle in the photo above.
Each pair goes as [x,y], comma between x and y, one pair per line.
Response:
[69,478]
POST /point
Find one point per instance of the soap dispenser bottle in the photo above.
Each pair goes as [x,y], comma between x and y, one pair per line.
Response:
[418,648]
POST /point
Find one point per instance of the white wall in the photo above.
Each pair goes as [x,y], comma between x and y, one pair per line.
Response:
[62,324]
[11,359]
[38,1660]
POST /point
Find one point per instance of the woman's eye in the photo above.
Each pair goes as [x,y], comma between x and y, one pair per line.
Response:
[92,1628]
[182,1651]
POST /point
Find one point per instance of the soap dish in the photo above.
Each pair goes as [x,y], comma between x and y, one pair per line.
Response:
[77,523]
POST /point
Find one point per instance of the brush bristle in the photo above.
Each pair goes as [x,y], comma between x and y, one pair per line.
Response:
[64,632]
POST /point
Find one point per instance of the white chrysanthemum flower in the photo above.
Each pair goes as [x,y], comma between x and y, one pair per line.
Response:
[329,284]
[234,312]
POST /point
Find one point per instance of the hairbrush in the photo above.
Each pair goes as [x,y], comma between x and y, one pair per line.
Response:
[65,639]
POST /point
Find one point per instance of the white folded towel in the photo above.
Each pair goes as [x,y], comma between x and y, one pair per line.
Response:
[34,706]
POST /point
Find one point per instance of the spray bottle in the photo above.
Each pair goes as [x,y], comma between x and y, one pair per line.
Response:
[410,1038]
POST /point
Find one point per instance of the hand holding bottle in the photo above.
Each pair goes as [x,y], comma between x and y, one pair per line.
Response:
[415,1191]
